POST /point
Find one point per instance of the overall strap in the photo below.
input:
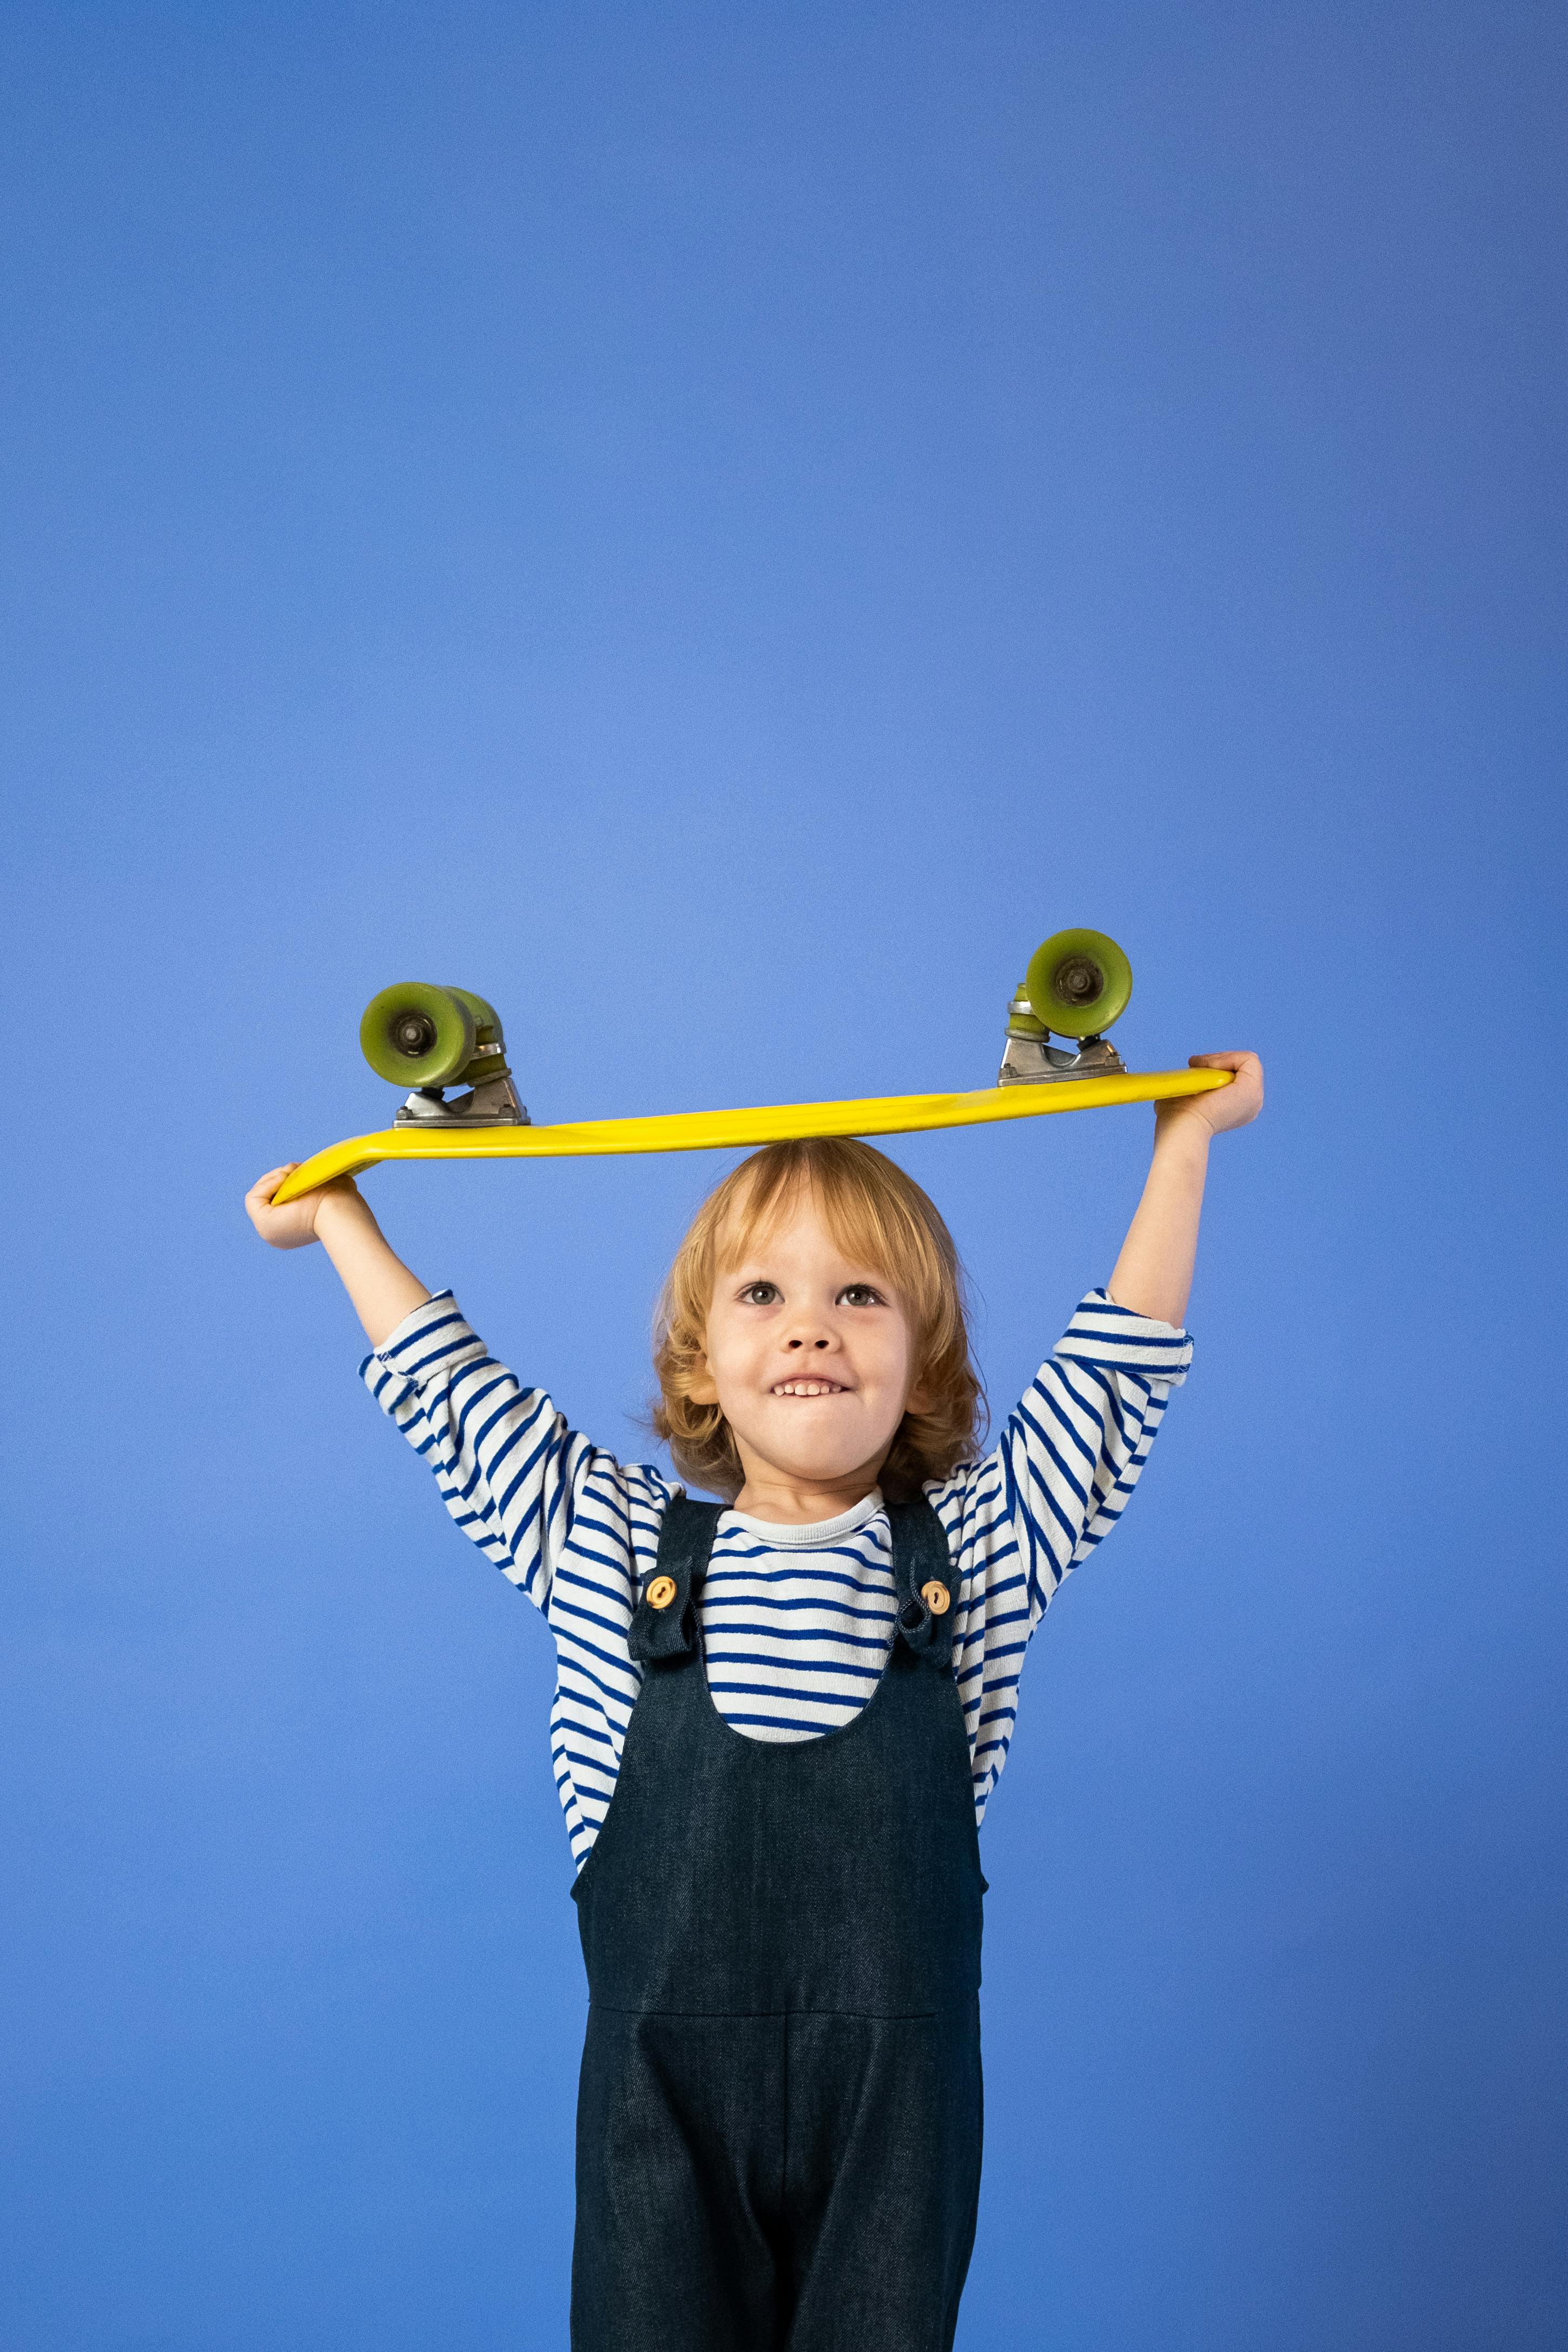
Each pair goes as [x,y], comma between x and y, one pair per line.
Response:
[923,1581]
[664,1622]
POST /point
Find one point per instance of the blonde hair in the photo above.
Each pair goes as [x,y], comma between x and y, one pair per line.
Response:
[880,1218]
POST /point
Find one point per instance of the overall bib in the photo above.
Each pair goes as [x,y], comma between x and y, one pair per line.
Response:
[778,2119]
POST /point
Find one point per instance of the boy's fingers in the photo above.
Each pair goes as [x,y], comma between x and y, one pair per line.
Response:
[266,1186]
[1237,1105]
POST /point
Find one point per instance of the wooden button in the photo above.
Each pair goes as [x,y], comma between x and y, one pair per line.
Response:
[936,1597]
[662,1592]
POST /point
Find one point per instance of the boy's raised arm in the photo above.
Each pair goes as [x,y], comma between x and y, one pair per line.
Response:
[381,1287]
[1153,1276]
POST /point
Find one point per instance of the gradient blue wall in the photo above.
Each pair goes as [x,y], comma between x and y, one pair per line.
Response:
[720,527]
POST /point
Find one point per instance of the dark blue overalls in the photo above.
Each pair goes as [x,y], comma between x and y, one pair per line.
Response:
[779,2121]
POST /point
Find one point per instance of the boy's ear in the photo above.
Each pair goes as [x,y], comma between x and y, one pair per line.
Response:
[917,1401]
[701,1386]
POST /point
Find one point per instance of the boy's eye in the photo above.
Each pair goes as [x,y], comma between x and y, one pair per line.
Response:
[860,1293]
[760,1293]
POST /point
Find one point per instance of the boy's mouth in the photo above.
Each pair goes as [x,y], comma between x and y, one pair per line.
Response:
[808,1389]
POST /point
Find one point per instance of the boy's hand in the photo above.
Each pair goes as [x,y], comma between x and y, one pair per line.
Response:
[1154,1274]
[293,1225]
[381,1285]
[1236,1105]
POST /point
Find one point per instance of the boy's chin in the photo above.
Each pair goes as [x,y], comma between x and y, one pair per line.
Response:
[812,1466]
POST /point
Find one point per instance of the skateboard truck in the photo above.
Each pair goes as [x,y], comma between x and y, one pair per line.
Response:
[1078,983]
[436,1038]
[493,1103]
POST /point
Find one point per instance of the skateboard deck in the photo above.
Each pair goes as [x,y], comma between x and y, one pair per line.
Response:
[718,1130]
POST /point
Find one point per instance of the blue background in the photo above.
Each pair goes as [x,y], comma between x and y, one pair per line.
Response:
[719,527]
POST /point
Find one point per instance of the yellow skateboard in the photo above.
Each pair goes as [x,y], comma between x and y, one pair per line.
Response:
[430,1039]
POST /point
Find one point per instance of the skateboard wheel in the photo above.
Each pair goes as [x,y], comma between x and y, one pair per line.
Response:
[1078,983]
[490,1062]
[417,1035]
[485,1017]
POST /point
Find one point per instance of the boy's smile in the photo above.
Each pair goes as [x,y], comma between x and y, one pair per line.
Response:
[809,1358]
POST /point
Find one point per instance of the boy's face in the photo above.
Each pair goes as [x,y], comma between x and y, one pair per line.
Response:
[808,1355]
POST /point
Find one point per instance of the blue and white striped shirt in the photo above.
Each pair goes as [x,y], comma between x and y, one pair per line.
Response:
[797,1621]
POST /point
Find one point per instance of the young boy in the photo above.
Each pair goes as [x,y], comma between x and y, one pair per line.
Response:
[777,1722]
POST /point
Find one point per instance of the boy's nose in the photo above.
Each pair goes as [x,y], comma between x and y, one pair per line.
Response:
[801,1343]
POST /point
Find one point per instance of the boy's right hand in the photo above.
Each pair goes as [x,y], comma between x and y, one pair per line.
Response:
[293,1224]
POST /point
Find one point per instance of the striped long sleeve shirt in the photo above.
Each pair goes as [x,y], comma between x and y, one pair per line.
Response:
[796,1622]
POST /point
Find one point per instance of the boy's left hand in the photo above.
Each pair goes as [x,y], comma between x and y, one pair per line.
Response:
[1236,1105]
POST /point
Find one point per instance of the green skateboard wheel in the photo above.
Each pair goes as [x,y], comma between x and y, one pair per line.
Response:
[1078,983]
[485,1017]
[487,1032]
[417,1035]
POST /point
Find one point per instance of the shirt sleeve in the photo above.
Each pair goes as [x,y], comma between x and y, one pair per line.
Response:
[1076,1443]
[514,1476]
[1049,1490]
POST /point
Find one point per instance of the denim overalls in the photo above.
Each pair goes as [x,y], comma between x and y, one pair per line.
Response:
[778,2120]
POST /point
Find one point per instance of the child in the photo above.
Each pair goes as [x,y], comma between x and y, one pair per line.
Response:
[800,1705]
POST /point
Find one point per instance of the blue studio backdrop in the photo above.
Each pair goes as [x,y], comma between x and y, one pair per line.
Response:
[719,528]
